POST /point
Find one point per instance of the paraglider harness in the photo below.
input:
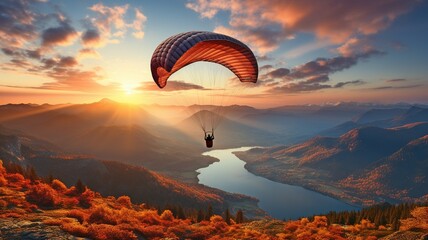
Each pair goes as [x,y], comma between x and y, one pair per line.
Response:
[209,137]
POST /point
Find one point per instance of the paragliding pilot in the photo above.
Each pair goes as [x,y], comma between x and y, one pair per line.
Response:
[209,139]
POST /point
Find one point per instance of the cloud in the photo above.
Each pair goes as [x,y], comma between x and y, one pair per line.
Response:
[10,52]
[278,73]
[396,80]
[34,54]
[29,37]
[17,23]
[333,20]
[265,67]
[325,66]
[77,80]
[88,53]
[62,35]
[109,18]
[264,58]
[355,82]
[172,85]
[306,86]
[138,23]
[313,75]
[396,87]
[91,38]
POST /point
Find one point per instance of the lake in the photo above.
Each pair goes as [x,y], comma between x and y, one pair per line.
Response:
[279,200]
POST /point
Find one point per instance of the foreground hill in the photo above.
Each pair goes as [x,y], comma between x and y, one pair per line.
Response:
[116,179]
[347,167]
[33,209]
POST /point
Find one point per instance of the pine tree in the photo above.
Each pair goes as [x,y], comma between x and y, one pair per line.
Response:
[31,174]
[200,216]
[227,216]
[239,216]
[80,187]
[180,213]
[50,178]
[210,213]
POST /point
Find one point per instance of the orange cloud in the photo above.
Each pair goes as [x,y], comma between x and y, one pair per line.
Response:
[62,35]
[333,20]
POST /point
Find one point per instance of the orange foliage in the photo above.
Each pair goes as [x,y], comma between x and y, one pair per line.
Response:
[43,195]
[317,229]
[86,198]
[167,215]
[102,214]
[153,231]
[3,181]
[75,229]
[59,186]
[3,204]
[80,215]
[125,201]
[418,222]
[15,178]
[104,231]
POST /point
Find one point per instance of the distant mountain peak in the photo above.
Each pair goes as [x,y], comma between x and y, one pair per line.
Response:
[107,101]
[414,109]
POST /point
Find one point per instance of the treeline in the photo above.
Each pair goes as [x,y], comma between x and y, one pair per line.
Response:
[384,214]
[202,214]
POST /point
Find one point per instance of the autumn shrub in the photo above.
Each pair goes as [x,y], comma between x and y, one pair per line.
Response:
[3,204]
[85,199]
[43,195]
[76,229]
[366,224]
[127,216]
[105,231]
[418,222]
[124,201]
[71,191]
[382,228]
[316,229]
[102,215]
[153,231]
[80,215]
[3,181]
[167,215]
[15,178]
[59,186]
[149,217]
[218,223]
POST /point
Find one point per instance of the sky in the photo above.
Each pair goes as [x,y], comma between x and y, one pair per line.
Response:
[308,52]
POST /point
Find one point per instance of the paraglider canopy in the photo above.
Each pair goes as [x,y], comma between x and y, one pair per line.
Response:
[189,47]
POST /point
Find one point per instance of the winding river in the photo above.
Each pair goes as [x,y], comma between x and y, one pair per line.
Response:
[280,200]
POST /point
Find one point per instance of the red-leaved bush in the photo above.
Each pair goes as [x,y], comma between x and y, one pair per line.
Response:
[43,195]
[59,186]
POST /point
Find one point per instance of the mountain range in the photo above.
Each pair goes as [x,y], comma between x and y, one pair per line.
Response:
[366,164]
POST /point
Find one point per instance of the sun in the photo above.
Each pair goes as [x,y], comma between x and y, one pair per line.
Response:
[129,89]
